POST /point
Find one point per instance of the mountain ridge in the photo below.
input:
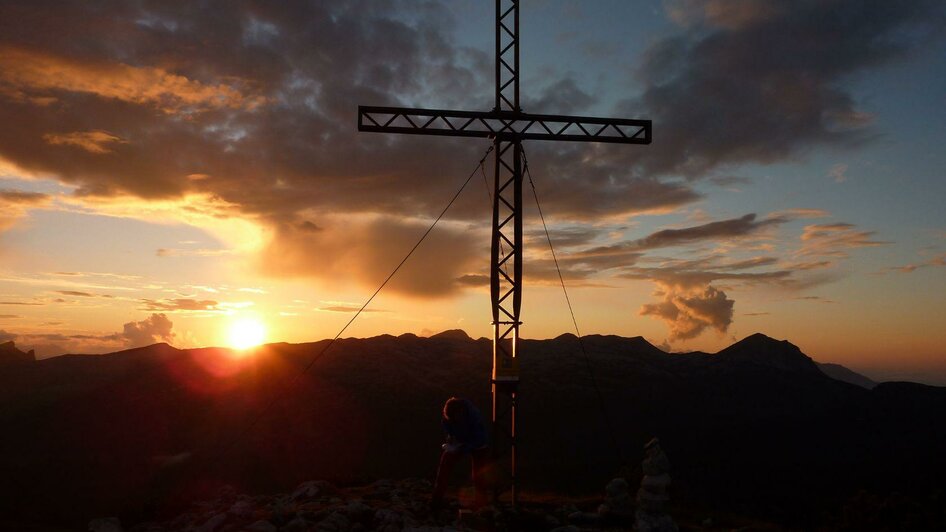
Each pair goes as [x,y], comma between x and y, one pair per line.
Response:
[369,409]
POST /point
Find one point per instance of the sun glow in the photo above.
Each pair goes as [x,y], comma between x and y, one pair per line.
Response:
[246,333]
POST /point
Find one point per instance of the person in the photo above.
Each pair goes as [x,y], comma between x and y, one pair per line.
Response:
[466,435]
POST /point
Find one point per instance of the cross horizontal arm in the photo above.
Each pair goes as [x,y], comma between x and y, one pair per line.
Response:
[504,124]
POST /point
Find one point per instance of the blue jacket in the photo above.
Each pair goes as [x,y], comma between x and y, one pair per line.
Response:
[469,433]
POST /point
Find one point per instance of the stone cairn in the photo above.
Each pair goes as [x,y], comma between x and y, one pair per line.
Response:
[652,497]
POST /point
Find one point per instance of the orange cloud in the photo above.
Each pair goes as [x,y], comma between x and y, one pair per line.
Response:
[689,312]
[15,203]
[26,74]
[94,141]
[831,240]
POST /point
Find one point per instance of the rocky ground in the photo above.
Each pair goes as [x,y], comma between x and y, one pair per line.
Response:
[385,505]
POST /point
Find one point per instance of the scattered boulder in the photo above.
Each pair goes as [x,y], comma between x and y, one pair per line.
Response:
[261,526]
[618,505]
[313,489]
[102,524]
[384,506]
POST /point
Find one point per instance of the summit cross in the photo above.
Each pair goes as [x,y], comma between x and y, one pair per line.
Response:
[507,126]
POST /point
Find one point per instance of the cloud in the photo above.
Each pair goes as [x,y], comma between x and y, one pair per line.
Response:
[15,203]
[346,308]
[19,197]
[253,106]
[937,261]
[838,172]
[367,250]
[832,240]
[153,329]
[627,253]
[179,304]
[39,76]
[75,293]
[750,81]
[689,312]
[95,141]
[735,227]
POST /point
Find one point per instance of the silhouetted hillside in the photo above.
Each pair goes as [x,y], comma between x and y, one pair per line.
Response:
[756,428]
[841,373]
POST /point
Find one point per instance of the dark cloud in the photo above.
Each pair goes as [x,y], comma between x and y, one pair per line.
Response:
[627,253]
[763,81]
[15,203]
[562,97]
[24,303]
[9,316]
[687,279]
[22,197]
[564,237]
[735,227]
[729,180]
[75,293]
[253,104]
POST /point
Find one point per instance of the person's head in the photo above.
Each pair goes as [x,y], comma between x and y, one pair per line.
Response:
[454,409]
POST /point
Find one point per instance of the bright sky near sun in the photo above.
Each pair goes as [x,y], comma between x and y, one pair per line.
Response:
[192,174]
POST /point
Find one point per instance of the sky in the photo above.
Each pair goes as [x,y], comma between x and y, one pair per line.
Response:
[172,170]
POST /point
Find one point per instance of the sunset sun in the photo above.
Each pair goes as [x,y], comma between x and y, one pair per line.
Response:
[246,333]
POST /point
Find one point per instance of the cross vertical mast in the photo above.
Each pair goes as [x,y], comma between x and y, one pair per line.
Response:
[506,248]
[507,126]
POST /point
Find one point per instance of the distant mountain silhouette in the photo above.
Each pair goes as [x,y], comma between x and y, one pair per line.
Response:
[841,373]
[9,354]
[761,350]
[757,428]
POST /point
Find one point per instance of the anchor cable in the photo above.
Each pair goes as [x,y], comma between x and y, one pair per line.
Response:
[591,374]
[272,402]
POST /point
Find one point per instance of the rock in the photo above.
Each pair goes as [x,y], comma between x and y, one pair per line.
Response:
[312,489]
[261,526]
[358,512]
[284,509]
[617,500]
[214,523]
[227,494]
[335,522]
[568,528]
[296,525]
[147,527]
[243,509]
[650,522]
[104,524]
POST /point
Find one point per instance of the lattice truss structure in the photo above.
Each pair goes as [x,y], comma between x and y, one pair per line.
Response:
[507,126]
